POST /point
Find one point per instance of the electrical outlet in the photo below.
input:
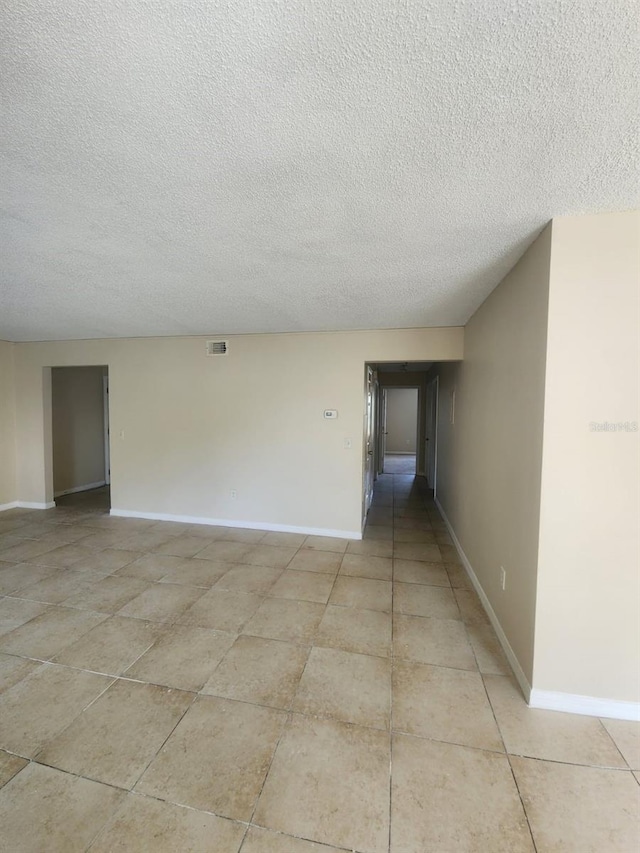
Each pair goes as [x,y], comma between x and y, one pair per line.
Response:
[503,578]
[234,494]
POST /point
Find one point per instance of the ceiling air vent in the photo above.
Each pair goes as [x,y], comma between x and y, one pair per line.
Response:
[217,347]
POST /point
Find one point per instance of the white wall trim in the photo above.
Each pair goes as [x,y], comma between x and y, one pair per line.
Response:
[227,522]
[590,706]
[497,627]
[11,505]
[85,488]
[34,505]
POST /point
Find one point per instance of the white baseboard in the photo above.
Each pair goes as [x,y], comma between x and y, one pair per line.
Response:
[27,505]
[570,703]
[497,627]
[590,706]
[85,488]
[227,522]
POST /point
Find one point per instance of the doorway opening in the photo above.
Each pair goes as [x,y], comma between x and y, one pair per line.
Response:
[400,423]
[400,436]
[80,436]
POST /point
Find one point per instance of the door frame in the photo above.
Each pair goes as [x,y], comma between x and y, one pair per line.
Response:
[431,432]
[105,417]
[420,403]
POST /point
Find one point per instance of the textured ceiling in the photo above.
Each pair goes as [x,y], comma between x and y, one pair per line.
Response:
[201,166]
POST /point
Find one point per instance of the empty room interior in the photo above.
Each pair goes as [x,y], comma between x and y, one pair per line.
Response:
[319,380]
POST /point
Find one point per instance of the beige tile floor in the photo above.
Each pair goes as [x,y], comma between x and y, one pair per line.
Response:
[170,687]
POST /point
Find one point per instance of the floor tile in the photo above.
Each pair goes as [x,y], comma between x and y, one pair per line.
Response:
[272,556]
[454,799]
[258,670]
[9,766]
[111,646]
[308,560]
[422,600]
[183,657]
[222,609]
[436,641]
[444,704]
[349,766]
[242,535]
[458,576]
[63,556]
[25,551]
[325,543]
[55,588]
[303,586]
[417,551]
[143,824]
[416,571]
[586,809]
[203,573]
[552,735]
[284,540]
[350,687]
[371,548]
[449,553]
[471,609]
[487,650]
[184,546]
[162,602]
[626,736]
[116,737]
[16,611]
[247,579]
[363,593]
[365,566]
[47,634]
[44,809]
[39,706]
[421,536]
[217,758]
[226,552]
[143,540]
[285,619]
[107,595]
[151,567]
[260,840]
[107,561]
[366,632]
[13,669]
[379,533]
[17,576]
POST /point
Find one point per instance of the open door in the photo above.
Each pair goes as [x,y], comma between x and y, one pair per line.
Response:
[369,436]
[382,428]
[432,433]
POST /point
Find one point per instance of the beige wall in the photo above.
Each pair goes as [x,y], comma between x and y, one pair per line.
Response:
[7,425]
[402,420]
[588,619]
[78,427]
[489,459]
[187,429]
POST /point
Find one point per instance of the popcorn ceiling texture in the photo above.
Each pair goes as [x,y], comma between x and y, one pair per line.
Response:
[202,167]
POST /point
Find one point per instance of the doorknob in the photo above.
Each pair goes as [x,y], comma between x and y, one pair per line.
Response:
[370,452]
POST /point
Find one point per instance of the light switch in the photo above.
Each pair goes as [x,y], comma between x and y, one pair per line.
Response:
[330,414]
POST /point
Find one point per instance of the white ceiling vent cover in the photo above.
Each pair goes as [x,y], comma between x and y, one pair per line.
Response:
[217,347]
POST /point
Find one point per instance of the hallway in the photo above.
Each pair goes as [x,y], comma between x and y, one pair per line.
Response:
[287,689]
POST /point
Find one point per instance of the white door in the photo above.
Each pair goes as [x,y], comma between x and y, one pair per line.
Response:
[382,429]
[432,433]
[369,442]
